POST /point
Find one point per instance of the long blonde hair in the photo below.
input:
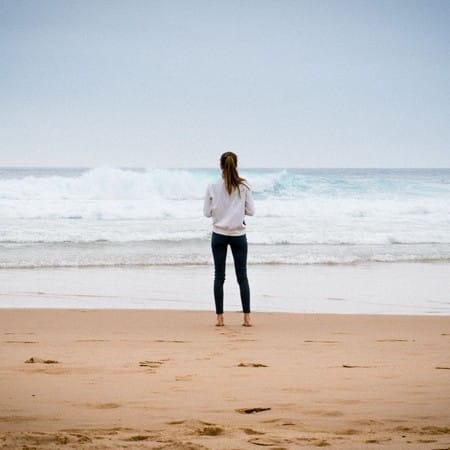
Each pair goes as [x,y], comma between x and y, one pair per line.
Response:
[228,164]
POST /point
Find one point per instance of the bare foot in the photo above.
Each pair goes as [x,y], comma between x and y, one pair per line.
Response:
[219,322]
[247,322]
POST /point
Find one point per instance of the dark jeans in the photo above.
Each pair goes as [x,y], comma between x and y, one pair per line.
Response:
[238,244]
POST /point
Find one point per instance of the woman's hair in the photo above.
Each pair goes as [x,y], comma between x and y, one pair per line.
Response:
[228,164]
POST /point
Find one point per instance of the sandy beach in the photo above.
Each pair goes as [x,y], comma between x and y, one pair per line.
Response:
[171,380]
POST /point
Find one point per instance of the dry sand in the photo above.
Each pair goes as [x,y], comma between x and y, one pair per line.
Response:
[171,380]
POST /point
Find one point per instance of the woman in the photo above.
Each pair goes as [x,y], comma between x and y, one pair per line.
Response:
[228,201]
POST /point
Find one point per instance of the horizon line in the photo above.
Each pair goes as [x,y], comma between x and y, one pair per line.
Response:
[211,168]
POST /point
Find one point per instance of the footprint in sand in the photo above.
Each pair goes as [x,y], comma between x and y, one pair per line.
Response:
[34,360]
[325,413]
[282,422]
[229,332]
[250,431]
[251,410]
[252,365]
[151,364]
[229,335]
[106,406]
[210,431]
[350,366]
[137,438]
[348,432]
[269,442]
[184,377]
[109,405]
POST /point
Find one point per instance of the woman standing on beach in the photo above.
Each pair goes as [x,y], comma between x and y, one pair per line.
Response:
[228,201]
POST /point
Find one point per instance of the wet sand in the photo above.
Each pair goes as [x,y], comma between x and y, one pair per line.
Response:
[109,379]
[379,288]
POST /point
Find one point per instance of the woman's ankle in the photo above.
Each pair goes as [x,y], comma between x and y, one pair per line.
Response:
[219,320]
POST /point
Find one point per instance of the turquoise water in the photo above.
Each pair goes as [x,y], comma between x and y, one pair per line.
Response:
[118,217]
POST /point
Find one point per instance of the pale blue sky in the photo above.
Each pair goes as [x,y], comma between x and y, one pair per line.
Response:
[175,83]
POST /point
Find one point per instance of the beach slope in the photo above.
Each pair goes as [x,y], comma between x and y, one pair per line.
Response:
[109,379]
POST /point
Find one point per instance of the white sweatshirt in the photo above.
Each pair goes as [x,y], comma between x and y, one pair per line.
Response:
[228,211]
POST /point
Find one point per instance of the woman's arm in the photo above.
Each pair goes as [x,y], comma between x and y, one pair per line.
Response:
[207,204]
[249,205]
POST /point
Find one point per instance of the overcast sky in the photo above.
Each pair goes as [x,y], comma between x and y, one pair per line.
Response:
[175,83]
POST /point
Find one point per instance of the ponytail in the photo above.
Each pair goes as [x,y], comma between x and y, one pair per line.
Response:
[228,164]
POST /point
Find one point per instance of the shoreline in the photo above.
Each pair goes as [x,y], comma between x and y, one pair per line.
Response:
[170,379]
[213,314]
[377,288]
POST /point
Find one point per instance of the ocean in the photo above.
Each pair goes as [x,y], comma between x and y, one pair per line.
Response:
[111,217]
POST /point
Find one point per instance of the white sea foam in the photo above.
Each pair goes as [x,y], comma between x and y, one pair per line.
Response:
[303,217]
